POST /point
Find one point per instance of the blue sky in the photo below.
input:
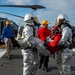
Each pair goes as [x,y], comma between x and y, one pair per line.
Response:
[53,9]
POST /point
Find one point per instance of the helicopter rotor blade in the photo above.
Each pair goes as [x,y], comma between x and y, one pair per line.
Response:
[12,14]
[34,7]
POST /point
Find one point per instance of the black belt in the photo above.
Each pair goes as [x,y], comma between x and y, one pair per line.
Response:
[69,46]
[34,49]
[28,48]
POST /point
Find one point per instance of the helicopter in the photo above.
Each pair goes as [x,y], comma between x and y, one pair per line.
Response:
[33,7]
[13,24]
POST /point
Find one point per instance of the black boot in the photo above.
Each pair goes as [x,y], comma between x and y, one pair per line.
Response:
[43,68]
[47,70]
[39,66]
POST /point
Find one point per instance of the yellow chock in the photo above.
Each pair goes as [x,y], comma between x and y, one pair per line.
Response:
[2,46]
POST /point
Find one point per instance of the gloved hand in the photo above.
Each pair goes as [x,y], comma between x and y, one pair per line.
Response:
[45,43]
[48,39]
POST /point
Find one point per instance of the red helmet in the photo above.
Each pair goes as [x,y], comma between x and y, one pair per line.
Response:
[55,29]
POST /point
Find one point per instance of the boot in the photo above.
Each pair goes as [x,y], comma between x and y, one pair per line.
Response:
[47,70]
[39,66]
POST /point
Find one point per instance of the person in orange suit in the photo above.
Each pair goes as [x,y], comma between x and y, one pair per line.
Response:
[55,38]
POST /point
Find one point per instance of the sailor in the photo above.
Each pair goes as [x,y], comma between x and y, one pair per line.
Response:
[31,45]
[53,40]
[7,33]
[64,55]
[43,33]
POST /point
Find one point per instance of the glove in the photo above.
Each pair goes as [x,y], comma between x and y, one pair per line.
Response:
[45,43]
[48,39]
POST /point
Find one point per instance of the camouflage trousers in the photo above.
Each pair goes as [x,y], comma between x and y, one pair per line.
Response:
[30,62]
[63,60]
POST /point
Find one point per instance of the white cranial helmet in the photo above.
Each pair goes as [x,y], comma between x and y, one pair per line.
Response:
[63,17]
[30,17]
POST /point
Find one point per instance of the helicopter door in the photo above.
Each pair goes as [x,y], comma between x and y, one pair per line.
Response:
[1,27]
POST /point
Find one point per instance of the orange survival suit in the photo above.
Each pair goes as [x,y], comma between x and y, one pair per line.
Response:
[56,36]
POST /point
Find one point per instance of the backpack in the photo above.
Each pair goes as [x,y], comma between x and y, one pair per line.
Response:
[73,36]
[73,33]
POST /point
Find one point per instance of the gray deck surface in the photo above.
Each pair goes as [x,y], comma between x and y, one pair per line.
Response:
[14,66]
